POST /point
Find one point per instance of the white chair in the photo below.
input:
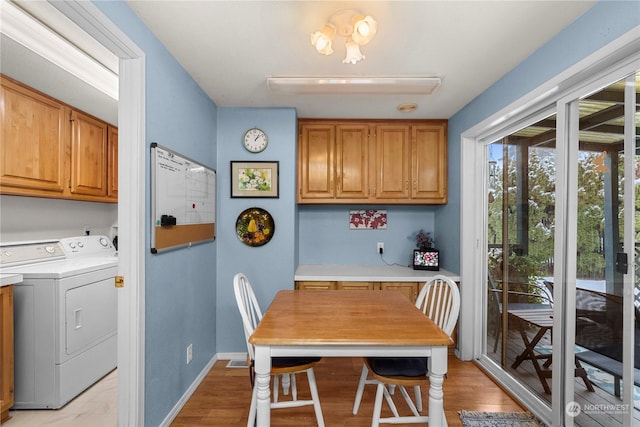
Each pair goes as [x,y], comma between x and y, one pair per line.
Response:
[439,299]
[285,366]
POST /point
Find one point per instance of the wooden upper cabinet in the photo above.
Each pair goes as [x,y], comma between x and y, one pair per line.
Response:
[392,161]
[316,166]
[88,155]
[49,149]
[32,141]
[373,161]
[429,162]
[112,163]
[352,161]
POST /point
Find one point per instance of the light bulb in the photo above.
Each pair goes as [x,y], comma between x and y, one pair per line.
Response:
[364,29]
[321,40]
[353,53]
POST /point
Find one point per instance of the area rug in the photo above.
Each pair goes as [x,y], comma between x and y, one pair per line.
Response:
[498,419]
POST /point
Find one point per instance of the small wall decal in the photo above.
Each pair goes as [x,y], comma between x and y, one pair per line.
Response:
[370,219]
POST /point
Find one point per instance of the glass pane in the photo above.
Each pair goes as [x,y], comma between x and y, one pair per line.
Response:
[599,286]
[520,253]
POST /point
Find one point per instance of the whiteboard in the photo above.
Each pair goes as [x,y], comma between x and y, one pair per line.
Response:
[183,200]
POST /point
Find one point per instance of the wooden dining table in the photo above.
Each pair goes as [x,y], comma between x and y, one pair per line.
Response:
[348,324]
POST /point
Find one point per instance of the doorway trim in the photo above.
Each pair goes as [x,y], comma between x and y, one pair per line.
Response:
[131,202]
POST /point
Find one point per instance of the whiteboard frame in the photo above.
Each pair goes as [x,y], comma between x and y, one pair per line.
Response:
[185,235]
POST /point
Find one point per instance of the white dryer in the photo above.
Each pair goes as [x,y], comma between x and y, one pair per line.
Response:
[65,317]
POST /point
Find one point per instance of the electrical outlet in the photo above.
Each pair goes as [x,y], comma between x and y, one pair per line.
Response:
[189,353]
[380,248]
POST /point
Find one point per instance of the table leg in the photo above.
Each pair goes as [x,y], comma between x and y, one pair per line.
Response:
[529,354]
[263,379]
[437,371]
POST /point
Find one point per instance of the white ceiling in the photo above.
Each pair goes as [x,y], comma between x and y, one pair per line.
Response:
[231,47]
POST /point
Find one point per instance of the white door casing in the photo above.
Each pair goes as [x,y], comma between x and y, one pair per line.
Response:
[131,207]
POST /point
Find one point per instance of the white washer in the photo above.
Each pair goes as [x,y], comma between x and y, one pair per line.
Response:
[65,317]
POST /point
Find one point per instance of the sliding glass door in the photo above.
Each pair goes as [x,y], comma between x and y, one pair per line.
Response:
[560,227]
[598,289]
[521,201]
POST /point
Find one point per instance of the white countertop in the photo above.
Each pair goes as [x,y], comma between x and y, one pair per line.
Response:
[10,279]
[366,273]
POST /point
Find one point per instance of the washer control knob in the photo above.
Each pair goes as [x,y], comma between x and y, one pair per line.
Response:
[104,242]
[72,245]
[80,245]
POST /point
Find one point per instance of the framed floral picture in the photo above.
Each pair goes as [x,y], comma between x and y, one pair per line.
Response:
[254,179]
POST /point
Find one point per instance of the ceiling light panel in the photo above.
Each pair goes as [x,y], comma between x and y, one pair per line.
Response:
[354,85]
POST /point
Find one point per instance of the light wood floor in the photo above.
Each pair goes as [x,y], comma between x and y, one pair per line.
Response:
[223,397]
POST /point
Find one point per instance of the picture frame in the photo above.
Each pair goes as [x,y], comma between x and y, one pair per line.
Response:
[255,179]
[428,259]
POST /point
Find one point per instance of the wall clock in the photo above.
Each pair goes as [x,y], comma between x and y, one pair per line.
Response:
[255,140]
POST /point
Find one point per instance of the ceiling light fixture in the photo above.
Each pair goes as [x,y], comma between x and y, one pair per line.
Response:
[357,28]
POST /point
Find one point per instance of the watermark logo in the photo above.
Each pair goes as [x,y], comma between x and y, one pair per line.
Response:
[573,409]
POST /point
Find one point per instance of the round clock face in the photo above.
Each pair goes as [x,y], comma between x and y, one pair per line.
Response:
[255,140]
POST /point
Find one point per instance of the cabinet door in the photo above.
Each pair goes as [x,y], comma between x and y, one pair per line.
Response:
[429,162]
[32,141]
[392,161]
[316,166]
[6,351]
[88,155]
[410,289]
[356,286]
[315,286]
[352,161]
[112,163]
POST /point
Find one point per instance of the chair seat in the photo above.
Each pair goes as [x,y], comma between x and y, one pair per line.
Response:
[290,362]
[398,366]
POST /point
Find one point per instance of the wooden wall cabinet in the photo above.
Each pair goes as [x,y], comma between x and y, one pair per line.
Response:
[112,164]
[51,150]
[33,138]
[88,155]
[6,352]
[376,161]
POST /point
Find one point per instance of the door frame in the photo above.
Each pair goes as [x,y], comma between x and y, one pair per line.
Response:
[131,202]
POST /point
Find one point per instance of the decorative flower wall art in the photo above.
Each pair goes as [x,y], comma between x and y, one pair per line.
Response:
[254,179]
[370,219]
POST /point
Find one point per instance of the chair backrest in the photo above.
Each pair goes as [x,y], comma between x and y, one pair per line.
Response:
[248,306]
[439,299]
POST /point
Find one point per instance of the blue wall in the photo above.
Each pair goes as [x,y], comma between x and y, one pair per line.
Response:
[180,294]
[271,267]
[603,23]
[325,237]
